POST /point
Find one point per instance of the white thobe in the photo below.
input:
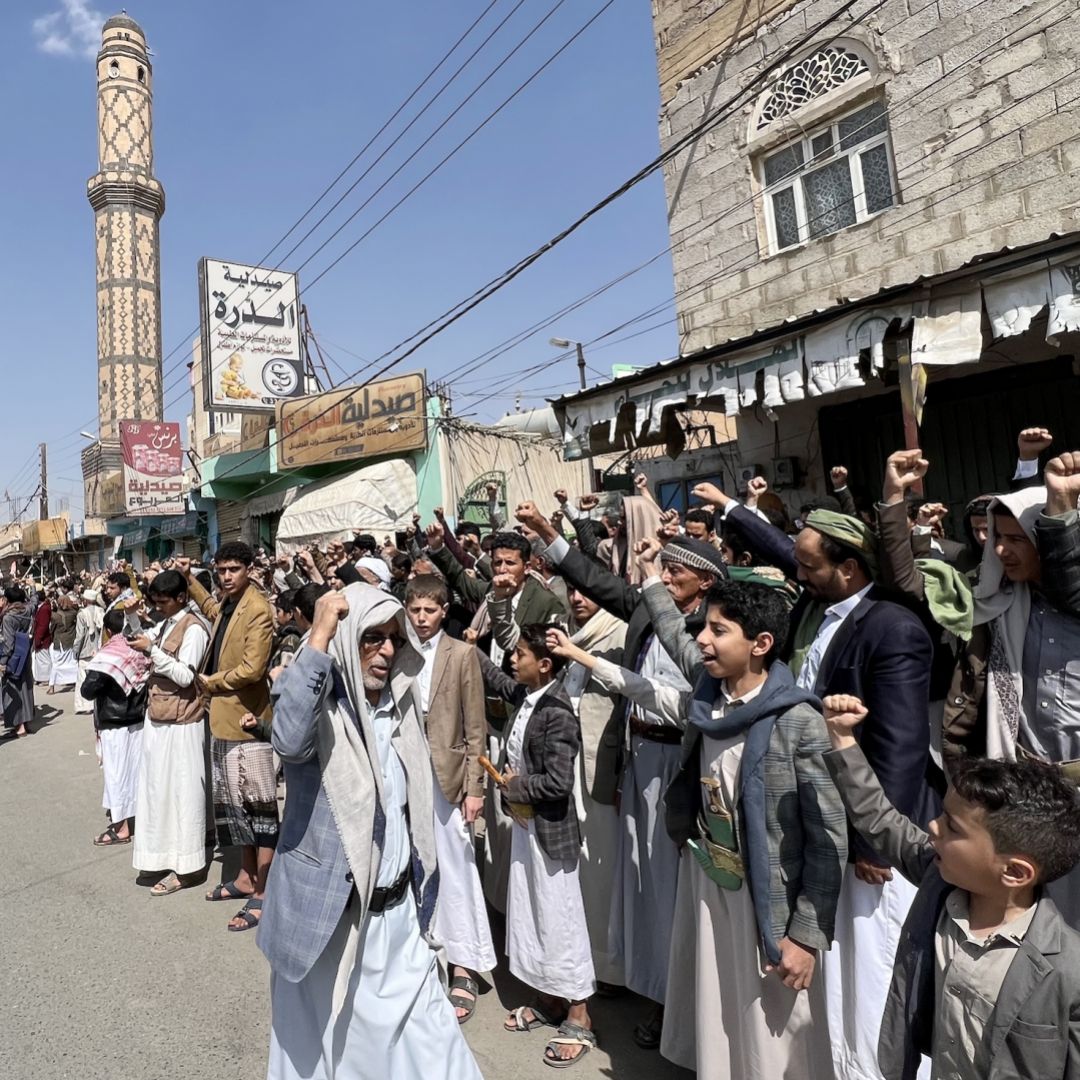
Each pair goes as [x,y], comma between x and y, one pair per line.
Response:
[396,1020]
[172,797]
[460,924]
[547,937]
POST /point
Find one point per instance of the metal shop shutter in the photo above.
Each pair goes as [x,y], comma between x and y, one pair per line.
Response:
[968,433]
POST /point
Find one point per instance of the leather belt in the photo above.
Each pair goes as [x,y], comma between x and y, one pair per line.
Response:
[1069,769]
[661,733]
[387,896]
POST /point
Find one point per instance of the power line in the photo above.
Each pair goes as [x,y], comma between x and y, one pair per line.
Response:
[397,112]
[437,326]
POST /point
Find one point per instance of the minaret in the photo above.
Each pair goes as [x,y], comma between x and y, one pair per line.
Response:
[128,203]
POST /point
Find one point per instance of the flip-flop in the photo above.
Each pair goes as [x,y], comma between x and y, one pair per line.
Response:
[247,914]
[569,1034]
[110,838]
[227,890]
[459,1001]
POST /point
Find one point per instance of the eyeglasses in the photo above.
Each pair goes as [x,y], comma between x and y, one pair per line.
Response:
[373,639]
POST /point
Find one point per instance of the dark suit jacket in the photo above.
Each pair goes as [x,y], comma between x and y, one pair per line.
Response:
[882,654]
[622,600]
[551,745]
[1036,1020]
[456,728]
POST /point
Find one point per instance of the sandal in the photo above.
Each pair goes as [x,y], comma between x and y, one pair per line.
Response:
[174,882]
[247,913]
[227,890]
[569,1035]
[110,838]
[459,1001]
[540,1019]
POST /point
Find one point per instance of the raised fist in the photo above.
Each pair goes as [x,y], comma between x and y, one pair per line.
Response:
[1062,476]
[434,537]
[838,475]
[903,470]
[1032,441]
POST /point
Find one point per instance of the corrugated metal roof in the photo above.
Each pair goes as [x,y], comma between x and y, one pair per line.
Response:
[794,323]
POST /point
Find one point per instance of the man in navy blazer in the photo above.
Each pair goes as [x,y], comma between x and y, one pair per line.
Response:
[848,632]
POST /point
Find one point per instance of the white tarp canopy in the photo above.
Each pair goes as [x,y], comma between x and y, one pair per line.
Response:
[376,499]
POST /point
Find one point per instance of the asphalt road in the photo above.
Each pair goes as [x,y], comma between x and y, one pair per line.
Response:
[98,981]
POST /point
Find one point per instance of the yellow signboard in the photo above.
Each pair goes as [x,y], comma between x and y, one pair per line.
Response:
[44,535]
[353,422]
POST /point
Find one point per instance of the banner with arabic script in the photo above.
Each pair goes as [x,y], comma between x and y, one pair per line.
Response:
[153,467]
[250,335]
[376,420]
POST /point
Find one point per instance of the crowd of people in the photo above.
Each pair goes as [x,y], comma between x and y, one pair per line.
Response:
[806,785]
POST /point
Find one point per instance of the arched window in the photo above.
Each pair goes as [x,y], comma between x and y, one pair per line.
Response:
[829,162]
[809,79]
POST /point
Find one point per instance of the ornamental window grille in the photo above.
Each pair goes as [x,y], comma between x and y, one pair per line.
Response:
[834,175]
[809,79]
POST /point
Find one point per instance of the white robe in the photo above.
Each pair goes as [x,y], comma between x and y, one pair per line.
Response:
[63,667]
[461,922]
[172,797]
[121,758]
[858,970]
[396,1020]
[547,937]
[82,705]
[746,1024]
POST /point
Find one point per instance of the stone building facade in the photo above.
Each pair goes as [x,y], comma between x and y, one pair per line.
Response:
[860,195]
[980,102]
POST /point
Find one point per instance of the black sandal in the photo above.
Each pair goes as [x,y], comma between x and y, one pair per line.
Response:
[247,913]
[110,838]
[459,1001]
[227,890]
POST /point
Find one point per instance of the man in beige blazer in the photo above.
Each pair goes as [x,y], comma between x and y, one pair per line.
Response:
[234,679]
[451,692]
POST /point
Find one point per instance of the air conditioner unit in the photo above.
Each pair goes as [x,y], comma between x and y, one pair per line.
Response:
[743,475]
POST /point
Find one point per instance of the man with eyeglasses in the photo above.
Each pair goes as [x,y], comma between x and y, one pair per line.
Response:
[355,989]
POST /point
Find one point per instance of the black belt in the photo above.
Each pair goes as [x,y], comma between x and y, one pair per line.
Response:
[660,733]
[388,895]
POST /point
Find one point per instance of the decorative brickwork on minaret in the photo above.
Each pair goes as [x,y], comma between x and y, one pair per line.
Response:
[128,203]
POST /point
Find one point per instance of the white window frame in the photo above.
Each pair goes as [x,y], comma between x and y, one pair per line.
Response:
[858,191]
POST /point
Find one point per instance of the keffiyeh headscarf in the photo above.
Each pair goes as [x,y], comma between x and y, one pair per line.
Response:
[1005,606]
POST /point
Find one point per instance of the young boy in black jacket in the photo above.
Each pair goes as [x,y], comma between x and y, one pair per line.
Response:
[987,976]
[547,938]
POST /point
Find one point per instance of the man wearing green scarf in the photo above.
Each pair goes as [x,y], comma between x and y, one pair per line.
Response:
[848,631]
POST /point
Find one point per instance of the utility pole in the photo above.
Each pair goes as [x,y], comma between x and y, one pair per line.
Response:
[43,502]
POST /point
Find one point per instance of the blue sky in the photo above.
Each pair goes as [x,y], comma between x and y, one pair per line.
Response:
[257,107]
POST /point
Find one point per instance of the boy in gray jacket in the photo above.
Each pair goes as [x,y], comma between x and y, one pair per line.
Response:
[987,975]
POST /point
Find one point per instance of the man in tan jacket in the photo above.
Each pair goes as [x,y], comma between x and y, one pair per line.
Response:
[234,679]
[451,692]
